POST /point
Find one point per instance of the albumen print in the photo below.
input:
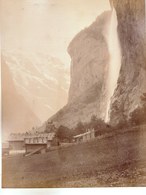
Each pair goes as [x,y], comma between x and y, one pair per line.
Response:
[73,93]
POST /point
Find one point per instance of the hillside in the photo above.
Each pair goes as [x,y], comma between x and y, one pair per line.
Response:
[40,79]
[16,113]
[116,160]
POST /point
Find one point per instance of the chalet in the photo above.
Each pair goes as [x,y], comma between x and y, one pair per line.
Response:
[90,134]
[38,142]
[30,142]
[5,148]
[16,143]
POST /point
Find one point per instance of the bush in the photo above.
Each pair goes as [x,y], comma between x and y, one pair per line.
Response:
[138,116]
[64,134]
[50,127]
[79,129]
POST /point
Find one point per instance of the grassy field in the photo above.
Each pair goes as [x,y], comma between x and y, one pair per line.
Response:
[115,160]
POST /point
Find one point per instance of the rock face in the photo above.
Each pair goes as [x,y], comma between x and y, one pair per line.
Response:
[89,57]
[132,79]
[89,65]
[16,114]
[90,61]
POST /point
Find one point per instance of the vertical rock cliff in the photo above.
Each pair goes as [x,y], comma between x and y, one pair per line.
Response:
[132,79]
[90,61]
[89,57]
[102,84]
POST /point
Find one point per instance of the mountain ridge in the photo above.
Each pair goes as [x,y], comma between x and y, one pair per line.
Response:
[40,78]
[16,114]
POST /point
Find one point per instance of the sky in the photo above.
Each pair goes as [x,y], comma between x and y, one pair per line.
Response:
[46,26]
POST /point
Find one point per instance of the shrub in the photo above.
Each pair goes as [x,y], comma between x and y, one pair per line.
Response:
[64,134]
[138,116]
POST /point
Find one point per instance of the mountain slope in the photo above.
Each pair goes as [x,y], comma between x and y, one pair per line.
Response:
[40,79]
[16,114]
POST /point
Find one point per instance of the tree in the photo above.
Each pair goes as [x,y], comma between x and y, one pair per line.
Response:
[64,133]
[97,123]
[123,123]
[50,127]
[138,116]
[79,129]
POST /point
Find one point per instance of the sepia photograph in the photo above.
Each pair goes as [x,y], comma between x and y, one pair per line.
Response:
[73,93]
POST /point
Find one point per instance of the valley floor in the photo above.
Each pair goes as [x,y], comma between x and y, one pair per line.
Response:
[117,160]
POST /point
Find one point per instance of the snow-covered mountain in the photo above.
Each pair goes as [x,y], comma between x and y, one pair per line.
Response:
[41,79]
[17,116]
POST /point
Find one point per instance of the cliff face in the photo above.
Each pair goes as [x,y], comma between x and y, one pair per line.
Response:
[89,65]
[132,79]
[89,57]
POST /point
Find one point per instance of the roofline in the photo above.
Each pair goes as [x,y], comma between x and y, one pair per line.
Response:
[42,135]
[13,140]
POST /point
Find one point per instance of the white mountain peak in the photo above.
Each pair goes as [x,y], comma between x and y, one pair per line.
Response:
[41,79]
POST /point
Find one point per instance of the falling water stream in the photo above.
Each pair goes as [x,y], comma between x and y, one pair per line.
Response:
[115,61]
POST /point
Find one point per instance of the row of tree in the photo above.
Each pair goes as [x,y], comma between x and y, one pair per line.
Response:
[137,117]
[66,134]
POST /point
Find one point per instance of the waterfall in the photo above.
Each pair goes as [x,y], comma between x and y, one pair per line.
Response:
[115,61]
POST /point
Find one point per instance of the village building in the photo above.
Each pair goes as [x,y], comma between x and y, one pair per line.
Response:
[38,142]
[16,143]
[5,148]
[84,137]
[30,142]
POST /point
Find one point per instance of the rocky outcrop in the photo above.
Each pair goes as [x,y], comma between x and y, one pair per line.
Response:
[89,57]
[132,79]
[89,64]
